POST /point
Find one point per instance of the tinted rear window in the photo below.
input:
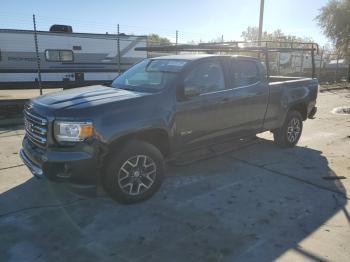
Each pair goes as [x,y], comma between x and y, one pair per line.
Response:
[244,73]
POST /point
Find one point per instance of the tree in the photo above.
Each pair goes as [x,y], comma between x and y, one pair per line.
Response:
[278,38]
[251,34]
[334,19]
[154,39]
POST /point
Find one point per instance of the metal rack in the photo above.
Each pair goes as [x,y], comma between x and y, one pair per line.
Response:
[259,47]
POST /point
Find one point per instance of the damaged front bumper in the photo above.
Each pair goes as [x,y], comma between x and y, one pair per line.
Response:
[76,165]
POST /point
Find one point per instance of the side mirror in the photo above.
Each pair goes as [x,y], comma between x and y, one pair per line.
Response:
[191,91]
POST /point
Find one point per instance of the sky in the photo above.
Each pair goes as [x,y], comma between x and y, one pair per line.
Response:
[195,20]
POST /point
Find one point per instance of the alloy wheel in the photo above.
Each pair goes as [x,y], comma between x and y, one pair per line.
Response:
[137,175]
[293,130]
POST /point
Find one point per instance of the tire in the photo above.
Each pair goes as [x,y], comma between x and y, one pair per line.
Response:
[129,173]
[289,134]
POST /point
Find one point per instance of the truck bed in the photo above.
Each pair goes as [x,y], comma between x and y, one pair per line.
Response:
[294,82]
[286,92]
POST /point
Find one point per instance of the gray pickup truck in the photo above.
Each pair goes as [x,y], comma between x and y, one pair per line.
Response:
[159,108]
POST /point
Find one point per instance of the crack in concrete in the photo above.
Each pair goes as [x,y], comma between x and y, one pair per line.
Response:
[42,206]
[291,177]
[6,136]
[9,167]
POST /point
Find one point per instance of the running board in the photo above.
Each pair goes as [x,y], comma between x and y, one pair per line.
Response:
[204,153]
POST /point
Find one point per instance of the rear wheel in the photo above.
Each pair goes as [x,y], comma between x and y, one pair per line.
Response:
[135,173]
[289,134]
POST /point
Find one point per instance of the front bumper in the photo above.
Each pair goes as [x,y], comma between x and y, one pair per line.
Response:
[76,165]
[36,170]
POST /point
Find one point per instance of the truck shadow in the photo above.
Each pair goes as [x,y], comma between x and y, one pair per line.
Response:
[253,204]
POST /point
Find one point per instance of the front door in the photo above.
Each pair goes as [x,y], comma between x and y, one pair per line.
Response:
[201,117]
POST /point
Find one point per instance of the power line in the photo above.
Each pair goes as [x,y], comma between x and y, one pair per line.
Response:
[89,25]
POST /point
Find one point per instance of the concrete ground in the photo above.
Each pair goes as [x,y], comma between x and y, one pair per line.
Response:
[259,203]
[12,102]
[24,93]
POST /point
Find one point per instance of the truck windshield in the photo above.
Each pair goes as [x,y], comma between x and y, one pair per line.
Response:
[149,75]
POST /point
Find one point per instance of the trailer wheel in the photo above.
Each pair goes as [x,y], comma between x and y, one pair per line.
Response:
[134,173]
[289,134]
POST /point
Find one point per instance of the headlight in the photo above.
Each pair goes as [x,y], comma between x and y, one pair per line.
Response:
[72,131]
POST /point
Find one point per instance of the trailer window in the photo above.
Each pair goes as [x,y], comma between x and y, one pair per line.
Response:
[59,55]
[52,55]
[66,55]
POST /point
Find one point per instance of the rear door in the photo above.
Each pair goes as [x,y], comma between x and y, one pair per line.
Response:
[250,90]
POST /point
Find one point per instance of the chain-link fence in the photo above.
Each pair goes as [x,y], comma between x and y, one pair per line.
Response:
[99,52]
[334,67]
[37,54]
[330,67]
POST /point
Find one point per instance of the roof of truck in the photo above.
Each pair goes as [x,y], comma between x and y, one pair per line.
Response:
[193,57]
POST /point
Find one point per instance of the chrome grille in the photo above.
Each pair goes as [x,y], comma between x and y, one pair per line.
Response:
[35,127]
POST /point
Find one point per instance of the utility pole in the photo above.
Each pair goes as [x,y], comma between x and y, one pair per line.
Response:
[313,61]
[118,49]
[336,69]
[348,55]
[147,45]
[261,20]
[348,52]
[176,41]
[321,64]
[37,55]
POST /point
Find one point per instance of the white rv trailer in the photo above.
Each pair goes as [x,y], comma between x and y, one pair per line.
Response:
[67,59]
[296,62]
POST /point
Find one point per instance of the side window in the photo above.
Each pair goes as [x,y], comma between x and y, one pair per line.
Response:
[206,77]
[52,55]
[59,55]
[245,73]
[66,55]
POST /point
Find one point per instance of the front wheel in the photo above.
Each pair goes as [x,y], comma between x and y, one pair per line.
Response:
[135,173]
[289,134]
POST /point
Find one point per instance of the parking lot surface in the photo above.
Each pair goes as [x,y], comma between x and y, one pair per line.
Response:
[256,203]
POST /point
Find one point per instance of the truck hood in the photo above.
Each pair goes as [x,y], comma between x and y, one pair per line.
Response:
[85,97]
